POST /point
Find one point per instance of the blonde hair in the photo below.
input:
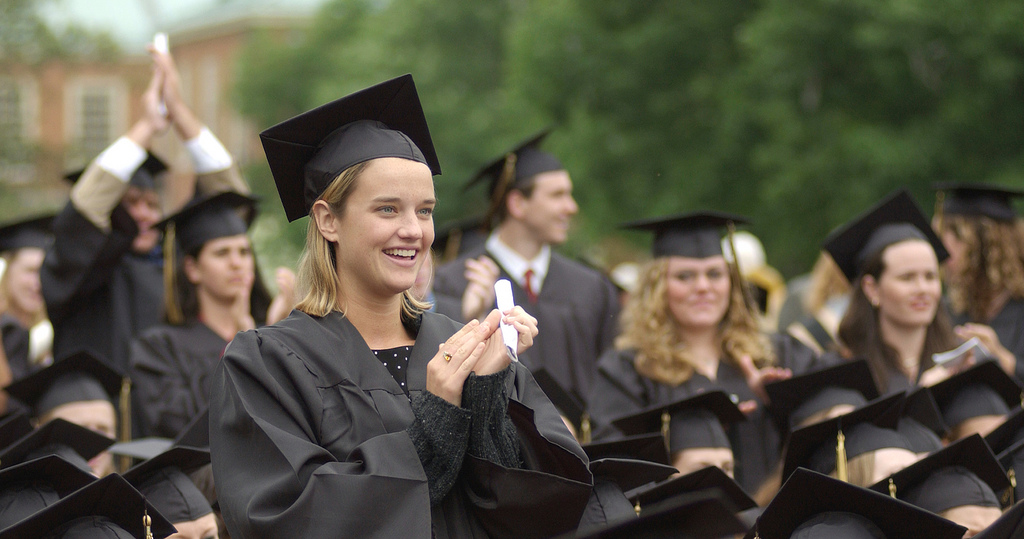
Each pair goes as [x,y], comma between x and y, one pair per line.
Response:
[827,282]
[317,280]
[993,262]
[649,327]
[860,470]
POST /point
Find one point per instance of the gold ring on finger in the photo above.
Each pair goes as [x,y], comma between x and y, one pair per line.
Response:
[447,356]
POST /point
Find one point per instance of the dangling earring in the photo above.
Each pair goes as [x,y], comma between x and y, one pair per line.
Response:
[874,302]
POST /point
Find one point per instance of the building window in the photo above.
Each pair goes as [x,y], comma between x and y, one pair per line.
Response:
[97,113]
[16,149]
[96,132]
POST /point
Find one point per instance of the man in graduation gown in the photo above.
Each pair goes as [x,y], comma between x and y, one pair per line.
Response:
[576,306]
[102,277]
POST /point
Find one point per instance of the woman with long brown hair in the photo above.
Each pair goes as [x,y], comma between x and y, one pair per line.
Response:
[689,328]
[895,319]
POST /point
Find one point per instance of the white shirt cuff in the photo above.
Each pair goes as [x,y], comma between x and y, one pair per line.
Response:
[122,158]
[208,154]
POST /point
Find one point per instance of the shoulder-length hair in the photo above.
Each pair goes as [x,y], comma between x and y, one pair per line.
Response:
[860,333]
[317,279]
[993,263]
[185,309]
[649,327]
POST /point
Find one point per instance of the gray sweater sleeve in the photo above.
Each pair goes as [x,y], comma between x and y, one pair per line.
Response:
[440,433]
[492,436]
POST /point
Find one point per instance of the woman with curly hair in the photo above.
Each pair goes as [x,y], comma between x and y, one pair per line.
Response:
[688,328]
[985,269]
[891,257]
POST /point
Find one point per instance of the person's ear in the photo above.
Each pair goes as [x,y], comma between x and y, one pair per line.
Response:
[326,221]
[870,288]
[191,268]
[516,204]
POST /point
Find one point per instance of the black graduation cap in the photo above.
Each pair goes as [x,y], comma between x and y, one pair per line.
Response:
[517,166]
[1008,526]
[868,428]
[649,447]
[693,235]
[896,218]
[32,232]
[921,422]
[32,486]
[686,423]
[1012,460]
[650,497]
[142,448]
[795,399]
[703,515]
[979,199]
[629,474]
[211,217]
[13,426]
[565,401]
[107,508]
[145,177]
[964,473]
[163,482]
[984,389]
[306,153]
[80,377]
[72,442]
[1008,433]
[822,506]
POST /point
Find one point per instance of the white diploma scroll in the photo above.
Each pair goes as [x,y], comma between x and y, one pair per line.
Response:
[503,295]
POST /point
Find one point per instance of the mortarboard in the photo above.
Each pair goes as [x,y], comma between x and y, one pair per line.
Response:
[1008,526]
[964,473]
[699,516]
[142,448]
[984,389]
[825,446]
[74,443]
[612,477]
[795,399]
[80,377]
[1008,433]
[12,427]
[306,153]
[106,508]
[993,201]
[163,482]
[33,232]
[821,507]
[565,401]
[34,485]
[145,177]
[207,218]
[695,421]
[1012,459]
[649,447]
[921,422]
[650,497]
[691,235]
[894,219]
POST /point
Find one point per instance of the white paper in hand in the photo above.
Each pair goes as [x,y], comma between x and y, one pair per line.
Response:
[503,295]
[161,46]
[956,355]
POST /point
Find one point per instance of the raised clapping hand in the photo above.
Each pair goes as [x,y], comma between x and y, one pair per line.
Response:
[757,378]
[990,340]
[481,273]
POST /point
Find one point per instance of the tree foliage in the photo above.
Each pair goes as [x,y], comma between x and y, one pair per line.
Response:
[797,113]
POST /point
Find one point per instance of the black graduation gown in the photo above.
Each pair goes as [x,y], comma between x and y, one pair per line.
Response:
[171,371]
[577,314]
[619,390]
[16,346]
[99,294]
[308,439]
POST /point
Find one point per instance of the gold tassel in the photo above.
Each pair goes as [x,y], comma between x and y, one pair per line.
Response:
[841,457]
[1012,476]
[585,428]
[147,522]
[505,180]
[636,507]
[173,310]
[666,419]
[940,213]
[451,249]
[734,268]
[892,488]
[125,433]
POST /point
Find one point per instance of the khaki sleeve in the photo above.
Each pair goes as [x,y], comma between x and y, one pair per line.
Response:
[96,194]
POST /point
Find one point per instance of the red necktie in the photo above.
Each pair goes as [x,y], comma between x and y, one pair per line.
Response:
[527,284]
